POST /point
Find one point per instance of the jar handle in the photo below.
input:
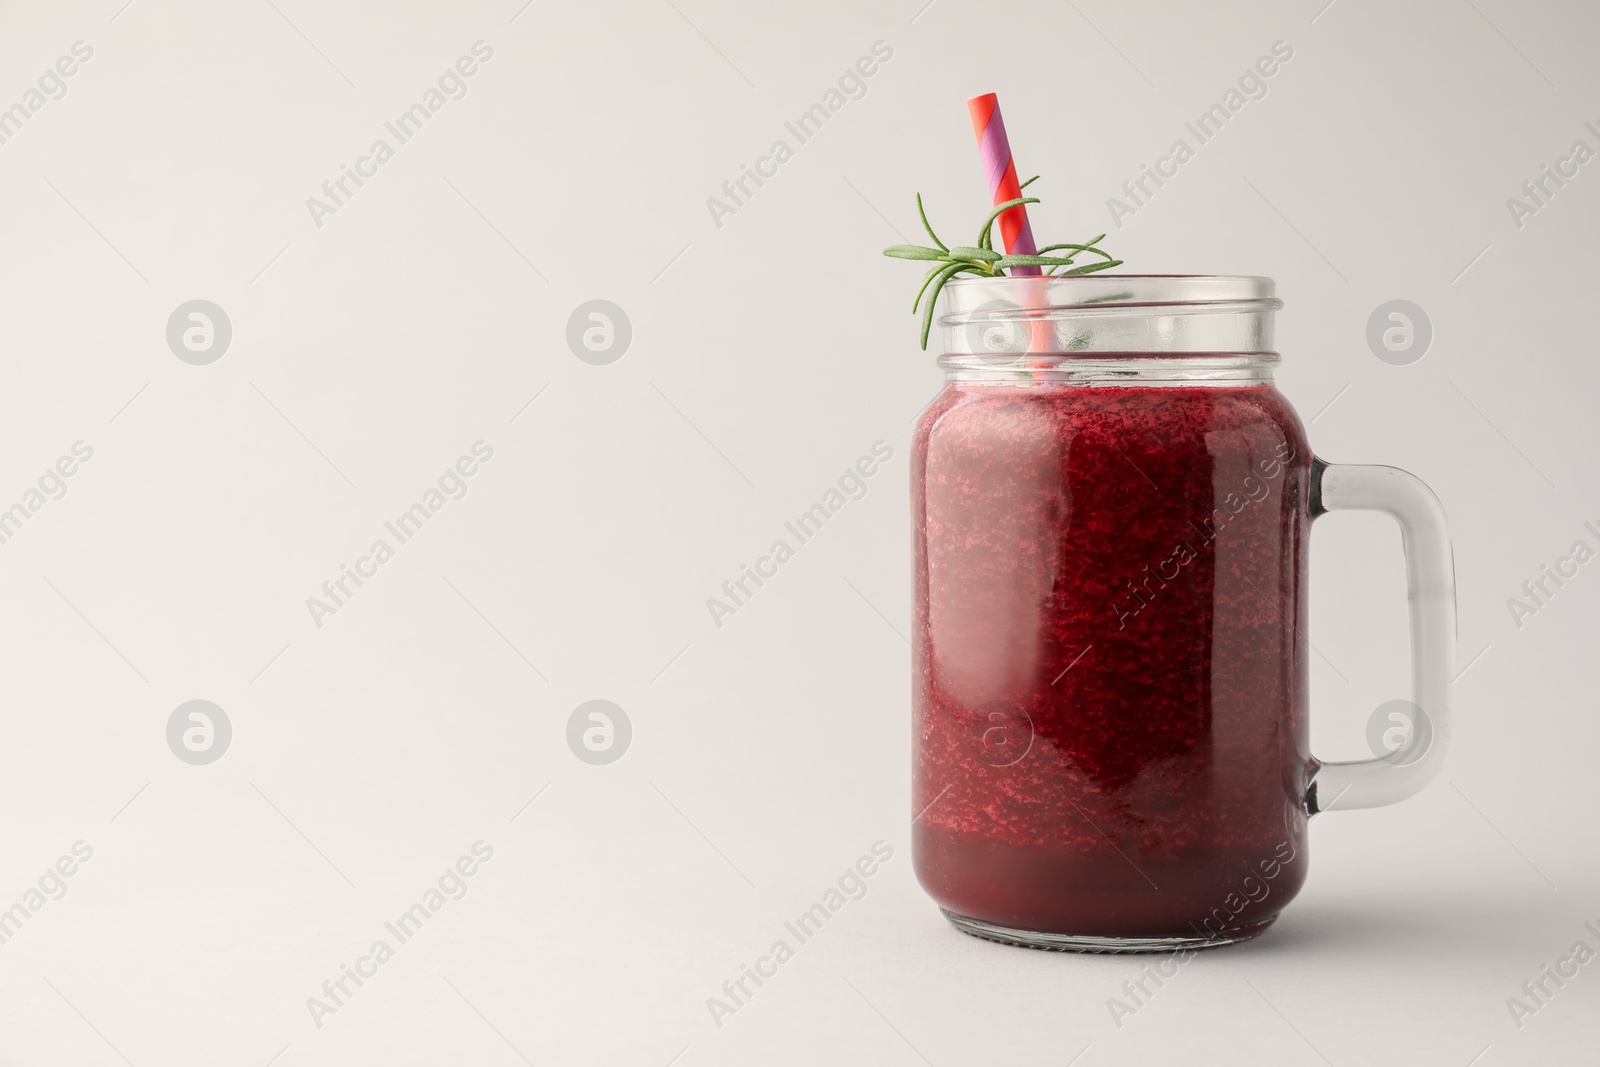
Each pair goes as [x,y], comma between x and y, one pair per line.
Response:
[1431,591]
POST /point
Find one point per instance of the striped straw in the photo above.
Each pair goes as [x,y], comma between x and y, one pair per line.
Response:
[990,128]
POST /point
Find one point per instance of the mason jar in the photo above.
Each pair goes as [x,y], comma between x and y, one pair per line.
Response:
[1112,504]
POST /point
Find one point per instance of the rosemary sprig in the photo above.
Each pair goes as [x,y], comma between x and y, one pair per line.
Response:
[981,259]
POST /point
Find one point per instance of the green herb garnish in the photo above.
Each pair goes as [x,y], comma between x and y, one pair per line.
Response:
[984,261]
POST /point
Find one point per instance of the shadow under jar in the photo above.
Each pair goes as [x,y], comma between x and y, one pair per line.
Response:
[1112,502]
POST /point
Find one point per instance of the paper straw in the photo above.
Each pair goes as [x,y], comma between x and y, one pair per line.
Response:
[1015,232]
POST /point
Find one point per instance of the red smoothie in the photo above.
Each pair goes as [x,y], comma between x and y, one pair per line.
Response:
[1110,685]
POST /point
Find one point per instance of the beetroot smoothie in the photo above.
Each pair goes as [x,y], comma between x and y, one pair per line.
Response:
[1110,690]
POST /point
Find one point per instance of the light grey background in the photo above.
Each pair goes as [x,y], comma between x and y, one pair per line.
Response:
[767,354]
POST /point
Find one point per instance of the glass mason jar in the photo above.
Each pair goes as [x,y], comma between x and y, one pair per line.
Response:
[1112,502]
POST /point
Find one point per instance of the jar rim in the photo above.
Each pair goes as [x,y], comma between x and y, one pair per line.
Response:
[1106,292]
[1093,316]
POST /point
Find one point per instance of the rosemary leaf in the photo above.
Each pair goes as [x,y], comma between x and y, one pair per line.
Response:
[1092,267]
[983,261]
[927,226]
[985,237]
[933,297]
[1034,261]
[951,268]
